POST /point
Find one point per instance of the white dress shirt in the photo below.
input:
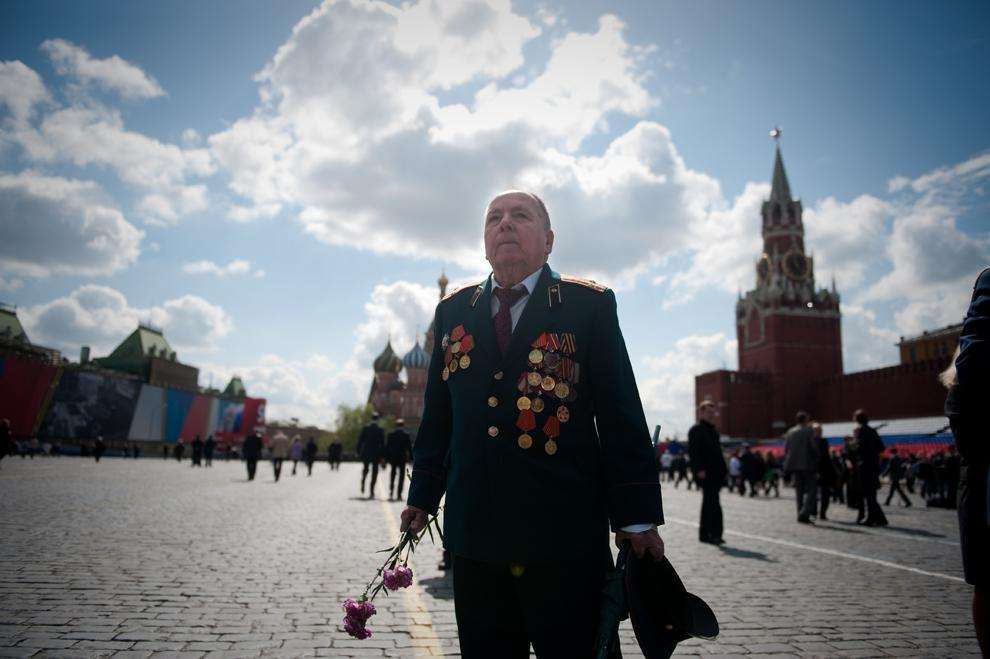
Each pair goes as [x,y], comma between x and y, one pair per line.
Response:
[528,284]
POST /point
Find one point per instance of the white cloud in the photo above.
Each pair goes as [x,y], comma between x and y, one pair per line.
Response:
[865,343]
[101,317]
[10,285]
[21,89]
[51,225]
[847,239]
[234,268]
[666,382]
[966,173]
[113,73]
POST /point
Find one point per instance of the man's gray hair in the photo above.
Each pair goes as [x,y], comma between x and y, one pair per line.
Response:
[532,195]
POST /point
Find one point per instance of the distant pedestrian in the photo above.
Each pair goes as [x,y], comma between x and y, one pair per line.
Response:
[854,495]
[296,452]
[771,476]
[869,449]
[253,445]
[398,451]
[197,452]
[209,447]
[311,449]
[910,472]
[165,451]
[752,468]
[6,439]
[280,451]
[369,448]
[99,448]
[801,463]
[895,471]
[334,453]
[735,474]
[709,468]
[180,449]
[135,450]
[826,472]
[34,446]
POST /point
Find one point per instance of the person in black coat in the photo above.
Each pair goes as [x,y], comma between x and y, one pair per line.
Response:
[334,453]
[826,473]
[708,465]
[197,452]
[99,448]
[6,439]
[209,446]
[968,380]
[253,445]
[752,468]
[398,451]
[870,448]
[895,471]
[370,445]
[310,453]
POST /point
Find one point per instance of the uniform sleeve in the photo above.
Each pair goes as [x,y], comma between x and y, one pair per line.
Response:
[429,475]
[627,453]
[973,362]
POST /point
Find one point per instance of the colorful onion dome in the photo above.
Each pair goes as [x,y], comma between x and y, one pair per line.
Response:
[388,361]
[416,358]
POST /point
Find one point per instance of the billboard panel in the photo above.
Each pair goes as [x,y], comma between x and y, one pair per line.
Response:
[179,403]
[149,415]
[88,404]
[24,385]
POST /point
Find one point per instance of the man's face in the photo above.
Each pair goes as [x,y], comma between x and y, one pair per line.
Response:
[708,413]
[516,233]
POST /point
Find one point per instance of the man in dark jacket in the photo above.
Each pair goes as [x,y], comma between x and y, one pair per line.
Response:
[252,453]
[209,446]
[708,465]
[895,471]
[870,448]
[398,451]
[310,455]
[370,444]
[752,468]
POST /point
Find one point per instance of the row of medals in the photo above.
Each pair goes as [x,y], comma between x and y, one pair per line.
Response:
[534,381]
[459,349]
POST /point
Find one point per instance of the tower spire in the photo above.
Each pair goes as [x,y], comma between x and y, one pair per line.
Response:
[781,190]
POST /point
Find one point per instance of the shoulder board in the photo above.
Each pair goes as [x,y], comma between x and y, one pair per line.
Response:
[587,283]
[462,289]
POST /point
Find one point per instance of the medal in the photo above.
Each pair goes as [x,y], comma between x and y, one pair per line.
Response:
[548,383]
[467,343]
[524,441]
[533,379]
[551,361]
[492,401]
[455,347]
[457,333]
[445,374]
[465,361]
[524,403]
[526,420]
[453,366]
[538,405]
[550,447]
[445,341]
[563,414]
[561,390]
[493,431]
[536,356]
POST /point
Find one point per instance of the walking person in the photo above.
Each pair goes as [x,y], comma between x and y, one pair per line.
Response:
[209,446]
[99,448]
[334,453]
[310,455]
[968,381]
[826,473]
[771,477]
[197,452]
[370,444]
[6,439]
[735,474]
[752,468]
[398,451]
[709,468]
[179,451]
[296,452]
[280,451]
[801,463]
[895,470]
[251,450]
[869,449]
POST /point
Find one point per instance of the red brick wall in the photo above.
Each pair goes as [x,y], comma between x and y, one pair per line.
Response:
[795,345]
[906,390]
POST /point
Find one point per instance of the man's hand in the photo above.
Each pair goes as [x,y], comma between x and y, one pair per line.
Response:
[648,541]
[414,519]
[699,475]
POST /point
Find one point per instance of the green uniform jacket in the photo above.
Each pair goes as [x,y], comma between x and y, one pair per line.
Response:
[508,503]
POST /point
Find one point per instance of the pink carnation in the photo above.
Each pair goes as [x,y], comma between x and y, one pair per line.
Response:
[356,616]
[400,577]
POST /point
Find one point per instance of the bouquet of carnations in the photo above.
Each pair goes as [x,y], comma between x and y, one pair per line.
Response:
[393,574]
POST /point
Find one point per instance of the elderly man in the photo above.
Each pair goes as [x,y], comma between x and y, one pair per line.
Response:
[533,427]
[801,462]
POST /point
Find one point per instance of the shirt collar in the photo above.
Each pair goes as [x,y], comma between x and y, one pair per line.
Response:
[529,282]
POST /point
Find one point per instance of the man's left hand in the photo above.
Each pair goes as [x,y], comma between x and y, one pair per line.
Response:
[645,542]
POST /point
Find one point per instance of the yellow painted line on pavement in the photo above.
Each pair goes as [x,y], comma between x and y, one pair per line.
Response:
[413,595]
[828,552]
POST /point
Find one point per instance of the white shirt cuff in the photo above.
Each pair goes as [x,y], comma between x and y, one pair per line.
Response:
[637,528]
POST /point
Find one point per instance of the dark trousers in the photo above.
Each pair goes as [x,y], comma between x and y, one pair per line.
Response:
[554,606]
[373,464]
[399,467]
[874,513]
[805,483]
[711,513]
[825,497]
[309,466]
[895,486]
[252,466]
[277,467]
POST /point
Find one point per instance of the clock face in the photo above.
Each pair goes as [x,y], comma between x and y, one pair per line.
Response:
[796,265]
[763,268]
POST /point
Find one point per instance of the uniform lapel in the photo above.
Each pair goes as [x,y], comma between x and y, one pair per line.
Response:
[481,323]
[534,319]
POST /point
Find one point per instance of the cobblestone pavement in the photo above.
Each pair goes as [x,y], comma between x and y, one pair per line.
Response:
[153,558]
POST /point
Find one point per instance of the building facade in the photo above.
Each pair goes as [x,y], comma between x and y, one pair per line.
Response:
[790,344]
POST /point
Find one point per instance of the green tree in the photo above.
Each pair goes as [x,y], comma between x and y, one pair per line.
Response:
[351,419]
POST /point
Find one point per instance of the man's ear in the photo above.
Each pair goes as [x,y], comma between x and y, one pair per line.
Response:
[549,241]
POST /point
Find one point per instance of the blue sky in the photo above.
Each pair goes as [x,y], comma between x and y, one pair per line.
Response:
[280,184]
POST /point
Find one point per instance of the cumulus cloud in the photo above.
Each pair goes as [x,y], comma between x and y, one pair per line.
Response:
[52,225]
[21,89]
[848,239]
[113,73]
[101,317]
[234,268]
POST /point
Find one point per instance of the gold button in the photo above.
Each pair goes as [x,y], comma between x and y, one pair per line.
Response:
[493,431]
[492,401]
[498,376]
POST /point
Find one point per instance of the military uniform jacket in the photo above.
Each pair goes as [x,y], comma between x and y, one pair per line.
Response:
[588,459]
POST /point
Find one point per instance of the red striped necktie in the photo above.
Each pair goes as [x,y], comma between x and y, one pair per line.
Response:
[503,318]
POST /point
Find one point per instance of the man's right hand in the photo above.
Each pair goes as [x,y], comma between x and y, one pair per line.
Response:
[412,518]
[700,475]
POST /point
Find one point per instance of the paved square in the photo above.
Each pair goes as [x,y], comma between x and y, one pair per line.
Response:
[140,558]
